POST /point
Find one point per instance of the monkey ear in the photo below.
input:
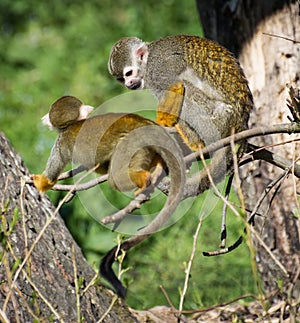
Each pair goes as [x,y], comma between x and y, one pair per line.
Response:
[141,52]
[84,111]
[46,121]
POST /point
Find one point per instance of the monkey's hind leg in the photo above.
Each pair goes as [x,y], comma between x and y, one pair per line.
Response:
[142,179]
[146,167]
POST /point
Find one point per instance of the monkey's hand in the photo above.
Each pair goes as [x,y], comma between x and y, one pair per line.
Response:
[42,183]
[168,109]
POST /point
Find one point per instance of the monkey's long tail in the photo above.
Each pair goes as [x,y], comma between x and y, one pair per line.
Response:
[107,262]
[172,155]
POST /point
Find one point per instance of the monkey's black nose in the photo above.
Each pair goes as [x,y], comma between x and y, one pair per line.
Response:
[134,86]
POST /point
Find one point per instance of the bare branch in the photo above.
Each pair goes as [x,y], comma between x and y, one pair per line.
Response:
[282,37]
[168,298]
[80,187]
[136,203]
[198,311]
[289,128]
[71,173]
[254,153]
[260,153]
[133,205]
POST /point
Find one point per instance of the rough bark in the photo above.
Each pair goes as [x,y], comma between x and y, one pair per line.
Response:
[269,63]
[47,278]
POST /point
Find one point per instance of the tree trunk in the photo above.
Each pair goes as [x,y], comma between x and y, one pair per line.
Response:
[50,286]
[269,63]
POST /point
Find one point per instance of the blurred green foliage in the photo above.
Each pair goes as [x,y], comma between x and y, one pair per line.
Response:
[49,49]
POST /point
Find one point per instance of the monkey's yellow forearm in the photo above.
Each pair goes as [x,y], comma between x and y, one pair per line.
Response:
[169,108]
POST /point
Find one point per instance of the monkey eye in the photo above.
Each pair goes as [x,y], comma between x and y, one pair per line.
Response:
[128,73]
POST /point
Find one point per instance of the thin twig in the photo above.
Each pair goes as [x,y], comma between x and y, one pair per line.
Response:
[133,205]
[91,283]
[251,217]
[3,317]
[32,310]
[31,250]
[120,272]
[261,153]
[32,284]
[277,262]
[207,309]
[8,271]
[282,37]
[217,192]
[167,298]
[76,285]
[189,266]
[237,179]
[295,194]
[23,183]
[112,303]
[294,104]
[137,202]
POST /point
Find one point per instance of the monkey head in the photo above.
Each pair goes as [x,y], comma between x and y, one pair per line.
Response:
[127,62]
[66,111]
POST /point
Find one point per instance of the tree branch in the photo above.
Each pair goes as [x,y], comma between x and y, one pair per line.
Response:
[254,153]
[133,205]
[80,187]
[71,173]
[142,197]
[288,128]
[260,153]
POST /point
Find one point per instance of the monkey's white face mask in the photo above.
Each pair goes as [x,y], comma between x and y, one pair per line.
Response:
[134,74]
[132,79]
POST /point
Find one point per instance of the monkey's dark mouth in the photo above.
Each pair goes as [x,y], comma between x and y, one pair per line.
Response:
[135,86]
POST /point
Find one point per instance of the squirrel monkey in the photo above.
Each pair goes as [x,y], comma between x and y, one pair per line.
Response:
[201,90]
[129,147]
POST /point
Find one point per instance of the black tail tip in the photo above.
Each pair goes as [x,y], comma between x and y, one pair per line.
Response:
[107,272]
[121,291]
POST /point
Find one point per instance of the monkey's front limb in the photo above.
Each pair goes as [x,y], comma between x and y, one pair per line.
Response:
[42,182]
[170,105]
[55,164]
